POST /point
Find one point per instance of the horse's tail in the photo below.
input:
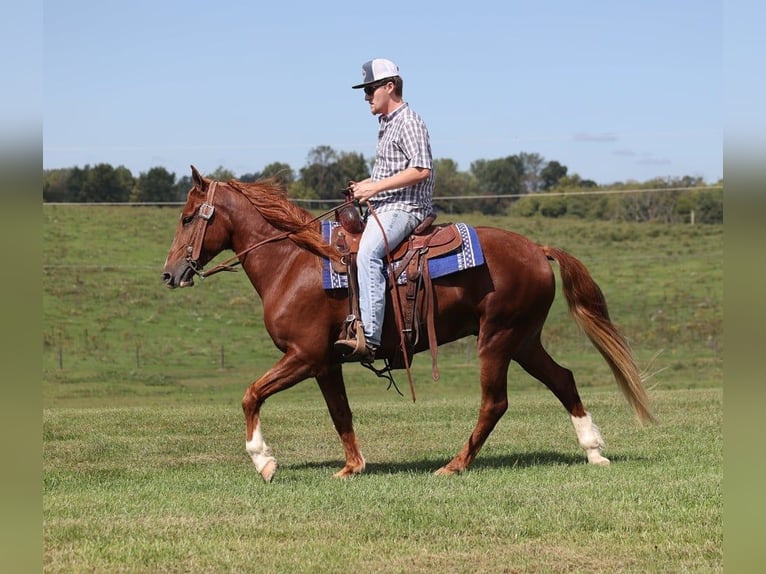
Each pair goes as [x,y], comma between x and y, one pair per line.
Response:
[588,307]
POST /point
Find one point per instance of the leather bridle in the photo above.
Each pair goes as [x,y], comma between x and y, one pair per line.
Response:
[204,214]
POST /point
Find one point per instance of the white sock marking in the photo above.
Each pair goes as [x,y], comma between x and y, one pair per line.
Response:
[590,439]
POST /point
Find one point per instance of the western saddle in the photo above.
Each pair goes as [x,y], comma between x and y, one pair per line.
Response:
[413,301]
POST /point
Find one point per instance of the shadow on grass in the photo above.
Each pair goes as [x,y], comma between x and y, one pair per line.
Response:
[428,466]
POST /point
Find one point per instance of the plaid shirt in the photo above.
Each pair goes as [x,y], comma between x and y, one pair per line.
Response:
[403,142]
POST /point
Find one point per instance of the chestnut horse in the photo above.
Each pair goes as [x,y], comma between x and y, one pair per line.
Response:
[503,302]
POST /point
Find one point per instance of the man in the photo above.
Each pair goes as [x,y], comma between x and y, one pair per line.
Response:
[399,194]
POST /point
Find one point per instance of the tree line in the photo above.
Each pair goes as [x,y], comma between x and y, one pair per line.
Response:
[523,184]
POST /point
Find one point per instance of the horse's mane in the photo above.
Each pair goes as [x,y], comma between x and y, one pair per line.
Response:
[269,197]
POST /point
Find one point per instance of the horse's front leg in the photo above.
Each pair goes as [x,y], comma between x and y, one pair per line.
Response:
[288,371]
[334,391]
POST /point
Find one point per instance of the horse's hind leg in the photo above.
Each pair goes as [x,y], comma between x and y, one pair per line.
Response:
[537,362]
[334,392]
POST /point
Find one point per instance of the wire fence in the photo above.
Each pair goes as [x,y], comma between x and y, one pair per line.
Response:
[309,202]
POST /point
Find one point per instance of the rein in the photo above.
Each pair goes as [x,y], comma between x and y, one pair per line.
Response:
[206,210]
[395,296]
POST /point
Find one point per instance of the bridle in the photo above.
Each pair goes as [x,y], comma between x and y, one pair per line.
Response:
[204,214]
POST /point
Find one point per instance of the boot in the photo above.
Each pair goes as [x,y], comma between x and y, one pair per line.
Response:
[356,350]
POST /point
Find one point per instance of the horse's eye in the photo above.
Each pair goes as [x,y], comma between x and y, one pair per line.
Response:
[186,219]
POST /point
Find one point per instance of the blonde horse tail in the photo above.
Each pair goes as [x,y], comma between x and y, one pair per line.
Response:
[587,306]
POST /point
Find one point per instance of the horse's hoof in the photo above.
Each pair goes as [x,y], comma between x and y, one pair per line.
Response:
[269,470]
[344,473]
[446,471]
[597,459]
[349,470]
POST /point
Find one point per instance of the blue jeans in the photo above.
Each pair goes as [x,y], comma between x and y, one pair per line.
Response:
[372,270]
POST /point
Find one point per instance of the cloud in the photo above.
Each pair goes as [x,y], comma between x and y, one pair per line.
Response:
[645,158]
[625,153]
[652,160]
[602,137]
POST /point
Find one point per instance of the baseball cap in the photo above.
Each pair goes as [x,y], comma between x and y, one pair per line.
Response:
[377,69]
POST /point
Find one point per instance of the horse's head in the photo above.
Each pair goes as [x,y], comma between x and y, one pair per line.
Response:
[199,237]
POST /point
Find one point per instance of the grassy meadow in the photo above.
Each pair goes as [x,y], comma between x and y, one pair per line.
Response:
[143,441]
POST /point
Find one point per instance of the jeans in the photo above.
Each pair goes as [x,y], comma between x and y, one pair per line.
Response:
[372,270]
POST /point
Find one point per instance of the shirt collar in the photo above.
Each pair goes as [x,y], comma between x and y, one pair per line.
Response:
[385,118]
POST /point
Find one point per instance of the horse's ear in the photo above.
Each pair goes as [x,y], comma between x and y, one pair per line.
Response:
[199,182]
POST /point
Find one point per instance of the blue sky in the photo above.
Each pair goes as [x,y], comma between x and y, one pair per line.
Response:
[616,91]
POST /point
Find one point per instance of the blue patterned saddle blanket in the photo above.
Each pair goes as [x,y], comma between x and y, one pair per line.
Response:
[467,256]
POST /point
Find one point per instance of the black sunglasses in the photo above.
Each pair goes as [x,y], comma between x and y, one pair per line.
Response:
[369,90]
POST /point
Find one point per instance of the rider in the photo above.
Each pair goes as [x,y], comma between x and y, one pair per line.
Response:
[399,194]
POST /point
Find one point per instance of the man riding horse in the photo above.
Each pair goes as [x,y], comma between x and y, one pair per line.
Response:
[398,194]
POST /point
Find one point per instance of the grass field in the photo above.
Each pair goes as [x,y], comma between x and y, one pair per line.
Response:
[143,440]
[150,489]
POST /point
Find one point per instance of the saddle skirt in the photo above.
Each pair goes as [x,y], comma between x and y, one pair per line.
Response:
[457,244]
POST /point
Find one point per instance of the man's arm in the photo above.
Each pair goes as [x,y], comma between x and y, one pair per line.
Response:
[364,190]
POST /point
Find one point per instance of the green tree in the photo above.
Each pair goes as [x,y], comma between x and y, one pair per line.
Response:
[316,175]
[351,167]
[182,187]
[250,177]
[328,172]
[531,166]
[453,183]
[55,185]
[101,183]
[75,183]
[551,174]
[157,184]
[497,177]
[221,174]
[282,171]
[709,206]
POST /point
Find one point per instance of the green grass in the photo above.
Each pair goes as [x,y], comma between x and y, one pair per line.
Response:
[143,437]
[170,489]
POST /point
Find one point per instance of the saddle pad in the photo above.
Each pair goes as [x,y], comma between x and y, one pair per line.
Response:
[469,255]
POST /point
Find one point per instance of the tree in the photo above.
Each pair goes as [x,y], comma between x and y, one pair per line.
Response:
[351,167]
[329,172]
[660,206]
[497,177]
[182,187]
[157,184]
[250,177]
[531,164]
[282,171]
[221,174]
[551,174]
[55,185]
[101,183]
[316,174]
[76,182]
[453,183]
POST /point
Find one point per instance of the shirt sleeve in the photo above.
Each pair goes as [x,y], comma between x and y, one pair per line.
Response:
[415,143]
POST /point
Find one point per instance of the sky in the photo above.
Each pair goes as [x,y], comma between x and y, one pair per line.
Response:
[616,91]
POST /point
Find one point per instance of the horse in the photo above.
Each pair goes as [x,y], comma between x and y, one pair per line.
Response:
[503,303]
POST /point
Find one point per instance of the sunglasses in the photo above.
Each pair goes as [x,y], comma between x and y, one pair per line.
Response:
[369,90]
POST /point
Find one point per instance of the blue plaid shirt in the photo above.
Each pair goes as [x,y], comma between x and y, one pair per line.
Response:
[403,142]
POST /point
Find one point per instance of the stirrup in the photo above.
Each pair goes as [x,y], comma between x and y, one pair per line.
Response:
[354,347]
[350,351]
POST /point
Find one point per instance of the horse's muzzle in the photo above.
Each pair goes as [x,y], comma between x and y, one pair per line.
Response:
[183,278]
